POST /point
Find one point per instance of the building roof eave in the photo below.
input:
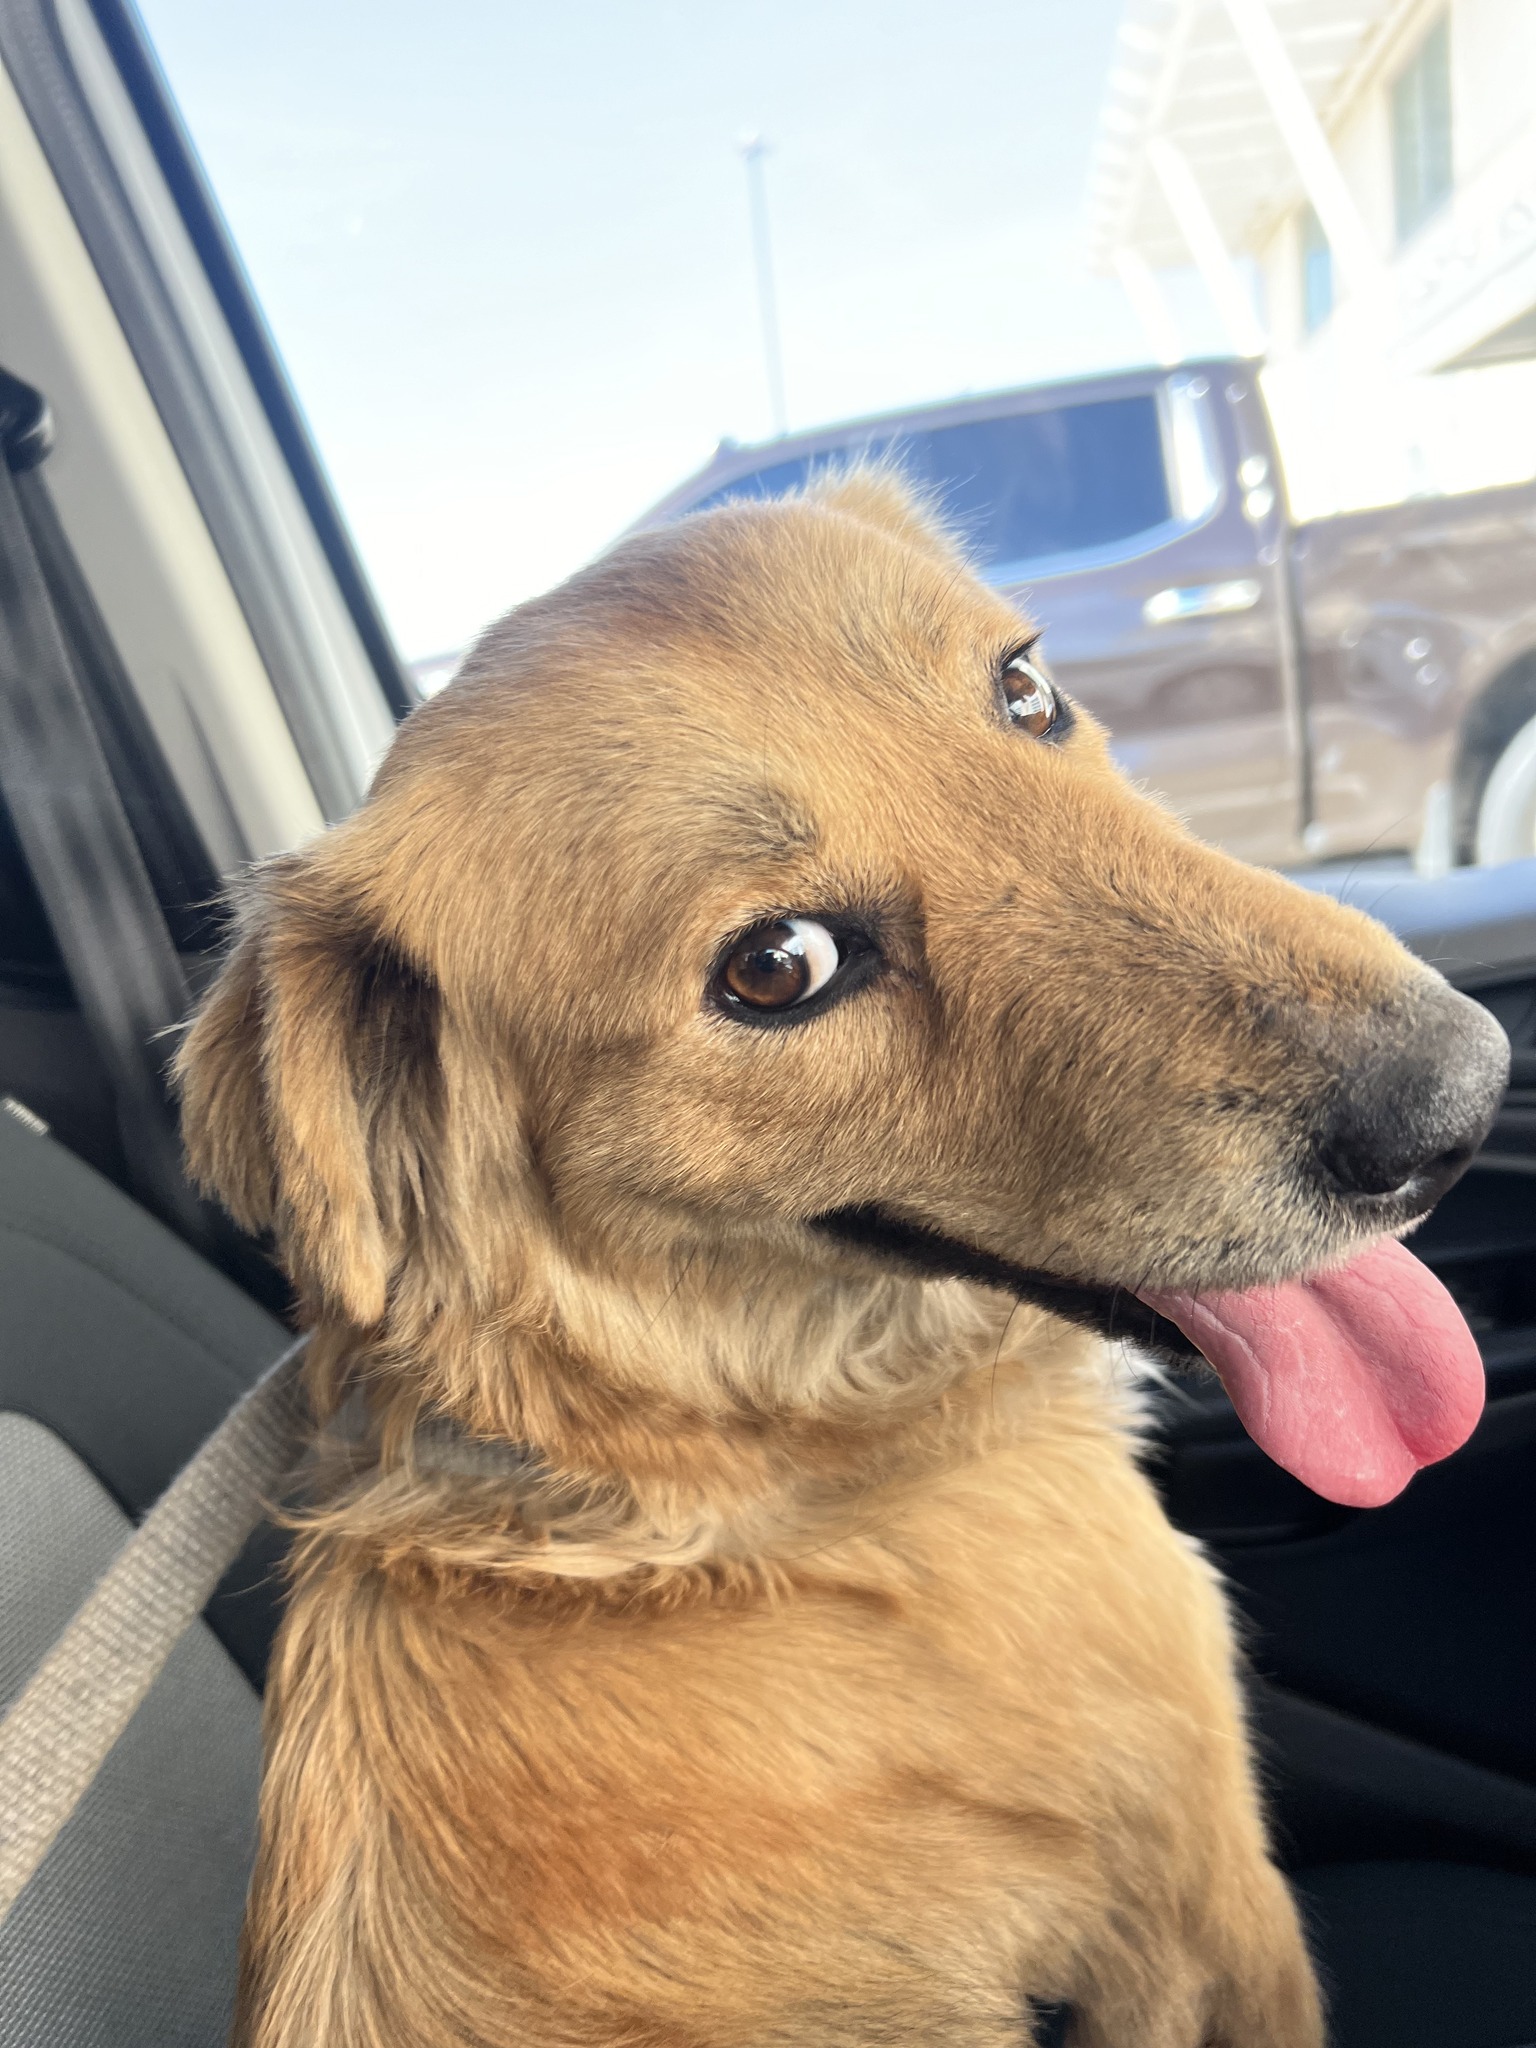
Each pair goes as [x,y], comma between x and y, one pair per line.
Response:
[1181,72]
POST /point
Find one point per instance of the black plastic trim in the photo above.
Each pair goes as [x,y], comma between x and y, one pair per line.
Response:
[1344,1788]
[26,425]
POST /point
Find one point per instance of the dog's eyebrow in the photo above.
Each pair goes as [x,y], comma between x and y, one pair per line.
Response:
[760,824]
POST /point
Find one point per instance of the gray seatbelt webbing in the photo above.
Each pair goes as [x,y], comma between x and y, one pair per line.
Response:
[59,1731]
[80,847]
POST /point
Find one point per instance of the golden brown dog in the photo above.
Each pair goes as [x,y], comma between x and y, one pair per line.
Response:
[728,1617]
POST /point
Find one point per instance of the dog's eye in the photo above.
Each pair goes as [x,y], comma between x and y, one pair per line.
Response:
[1031,699]
[781,964]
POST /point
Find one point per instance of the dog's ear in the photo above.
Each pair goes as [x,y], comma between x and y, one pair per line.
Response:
[310,1085]
[878,495]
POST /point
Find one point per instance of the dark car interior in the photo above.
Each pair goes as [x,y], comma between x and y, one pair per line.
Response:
[1392,1652]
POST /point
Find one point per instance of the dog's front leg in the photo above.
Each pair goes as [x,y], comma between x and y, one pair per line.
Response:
[1268,2000]
[1227,1969]
[1265,1991]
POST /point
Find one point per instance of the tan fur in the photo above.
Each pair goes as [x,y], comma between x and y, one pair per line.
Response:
[811,1663]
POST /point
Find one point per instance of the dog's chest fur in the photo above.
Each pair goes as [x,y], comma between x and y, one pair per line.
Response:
[961,1735]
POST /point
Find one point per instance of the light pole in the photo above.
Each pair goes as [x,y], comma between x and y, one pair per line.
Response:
[754,148]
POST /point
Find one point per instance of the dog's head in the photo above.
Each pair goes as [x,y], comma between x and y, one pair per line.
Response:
[754,906]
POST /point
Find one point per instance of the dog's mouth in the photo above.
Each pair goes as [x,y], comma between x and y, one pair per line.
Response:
[1352,1378]
[1114,1312]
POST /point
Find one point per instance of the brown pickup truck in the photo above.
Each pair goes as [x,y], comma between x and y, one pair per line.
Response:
[1298,691]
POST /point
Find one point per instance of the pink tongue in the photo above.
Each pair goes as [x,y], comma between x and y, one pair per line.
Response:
[1352,1379]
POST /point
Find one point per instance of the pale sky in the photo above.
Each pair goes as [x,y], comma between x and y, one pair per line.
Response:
[504,247]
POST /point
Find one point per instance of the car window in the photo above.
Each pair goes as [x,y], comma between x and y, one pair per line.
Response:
[529,267]
[1060,481]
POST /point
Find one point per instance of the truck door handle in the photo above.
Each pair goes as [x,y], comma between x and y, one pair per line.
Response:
[1202,601]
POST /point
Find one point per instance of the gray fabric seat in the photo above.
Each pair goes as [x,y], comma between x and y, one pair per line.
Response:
[115,1334]
[127,1935]
[120,1351]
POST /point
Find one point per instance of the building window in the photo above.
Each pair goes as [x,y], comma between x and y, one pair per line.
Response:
[1421,131]
[1316,272]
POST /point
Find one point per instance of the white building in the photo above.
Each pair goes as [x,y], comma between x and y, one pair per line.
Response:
[1355,181]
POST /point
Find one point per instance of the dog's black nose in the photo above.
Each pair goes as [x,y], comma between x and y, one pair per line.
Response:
[1409,1114]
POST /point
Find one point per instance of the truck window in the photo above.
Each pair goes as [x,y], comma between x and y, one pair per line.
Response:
[1023,488]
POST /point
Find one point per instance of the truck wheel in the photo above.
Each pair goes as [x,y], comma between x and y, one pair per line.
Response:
[1495,790]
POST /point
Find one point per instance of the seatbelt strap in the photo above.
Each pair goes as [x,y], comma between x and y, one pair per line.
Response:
[59,1732]
[78,840]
